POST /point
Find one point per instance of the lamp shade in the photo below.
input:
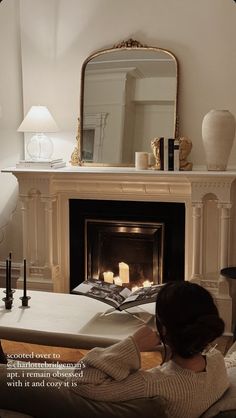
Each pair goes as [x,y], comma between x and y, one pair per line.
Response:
[38,119]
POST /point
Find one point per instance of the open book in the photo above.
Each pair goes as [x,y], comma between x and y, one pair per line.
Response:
[117,296]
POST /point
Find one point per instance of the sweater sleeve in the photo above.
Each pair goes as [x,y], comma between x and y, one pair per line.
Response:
[112,373]
[116,361]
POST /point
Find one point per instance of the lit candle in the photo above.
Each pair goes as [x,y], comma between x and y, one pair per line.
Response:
[7,280]
[118,281]
[24,292]
[108,276]
[124,272]
[147,283]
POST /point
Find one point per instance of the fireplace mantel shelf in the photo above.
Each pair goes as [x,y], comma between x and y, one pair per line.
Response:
[124,183]
[209,199]
[121,170]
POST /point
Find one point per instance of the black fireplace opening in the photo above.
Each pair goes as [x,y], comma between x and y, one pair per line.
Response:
[132,249]
[147,238]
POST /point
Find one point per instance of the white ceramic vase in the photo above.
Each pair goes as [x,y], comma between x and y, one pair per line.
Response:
[218,131]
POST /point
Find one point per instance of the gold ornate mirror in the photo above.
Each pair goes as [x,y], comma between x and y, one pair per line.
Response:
[128,97]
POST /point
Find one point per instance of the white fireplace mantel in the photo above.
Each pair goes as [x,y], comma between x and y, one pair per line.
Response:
[208,197]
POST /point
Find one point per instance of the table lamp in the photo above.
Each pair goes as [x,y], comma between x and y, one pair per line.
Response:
[39,121]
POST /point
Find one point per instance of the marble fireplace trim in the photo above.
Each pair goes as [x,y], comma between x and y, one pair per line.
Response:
[45,195]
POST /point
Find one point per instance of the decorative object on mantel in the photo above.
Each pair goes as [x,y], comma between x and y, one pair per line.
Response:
[75,156]
[185,146]
[38,121]
[218,131]
[141,160]
[155,144]
[166,153]
[151,159]
[42,164]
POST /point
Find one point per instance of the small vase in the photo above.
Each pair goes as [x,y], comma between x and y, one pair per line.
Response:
[218,131]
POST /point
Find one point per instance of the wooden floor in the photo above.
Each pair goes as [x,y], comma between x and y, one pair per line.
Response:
[66,355]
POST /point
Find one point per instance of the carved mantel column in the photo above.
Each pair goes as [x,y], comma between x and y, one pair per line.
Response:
[224,233]
[48,229]
[24,200]
[216,189]
[197,242]
[225,216]
[37,198]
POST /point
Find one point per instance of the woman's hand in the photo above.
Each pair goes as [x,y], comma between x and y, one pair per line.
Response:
[146,339]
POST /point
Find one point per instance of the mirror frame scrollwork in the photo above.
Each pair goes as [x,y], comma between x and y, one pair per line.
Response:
[130,44]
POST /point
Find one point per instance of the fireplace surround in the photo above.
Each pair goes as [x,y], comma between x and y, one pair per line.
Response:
[210,227]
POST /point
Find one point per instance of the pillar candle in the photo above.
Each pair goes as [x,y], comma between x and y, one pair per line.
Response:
[147,283]
[124,272]
[118,281]
[141,160]
[108,276]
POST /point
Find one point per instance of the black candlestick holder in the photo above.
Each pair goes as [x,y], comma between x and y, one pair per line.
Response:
[8,302]
[10,292]
[25,300]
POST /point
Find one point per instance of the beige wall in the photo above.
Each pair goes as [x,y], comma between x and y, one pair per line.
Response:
[57,35]
[11,143]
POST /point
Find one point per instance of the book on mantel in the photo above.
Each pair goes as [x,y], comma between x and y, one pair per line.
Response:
[42,164]
[120,297]
[169,154]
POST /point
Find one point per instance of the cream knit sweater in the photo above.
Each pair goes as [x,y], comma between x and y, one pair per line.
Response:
[114,374]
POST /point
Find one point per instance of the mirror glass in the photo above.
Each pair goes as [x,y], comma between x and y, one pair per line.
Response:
[128,97]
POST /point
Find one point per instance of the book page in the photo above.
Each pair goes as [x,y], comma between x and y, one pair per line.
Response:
[141,296]
[109,293]
[117,296]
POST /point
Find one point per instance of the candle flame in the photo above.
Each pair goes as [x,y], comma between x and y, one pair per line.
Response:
[147,283]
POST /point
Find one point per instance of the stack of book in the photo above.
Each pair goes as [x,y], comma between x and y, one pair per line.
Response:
[169,154]
[41,164]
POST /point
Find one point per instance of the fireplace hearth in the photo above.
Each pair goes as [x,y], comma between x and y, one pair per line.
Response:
[147,237]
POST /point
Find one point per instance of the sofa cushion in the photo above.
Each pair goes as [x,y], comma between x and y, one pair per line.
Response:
[137,408]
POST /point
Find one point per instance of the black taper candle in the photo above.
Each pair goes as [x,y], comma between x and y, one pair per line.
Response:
[9,276]
[24,292]
[7,280]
